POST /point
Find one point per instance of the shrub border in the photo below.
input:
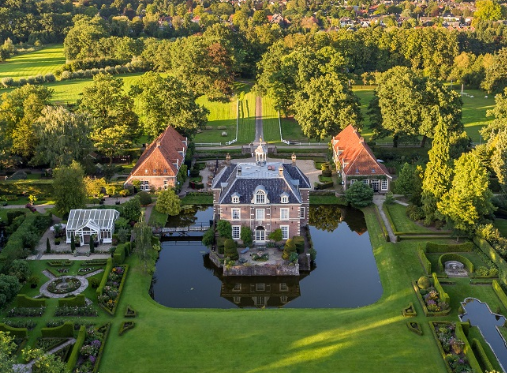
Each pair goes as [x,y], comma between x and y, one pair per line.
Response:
[457,257]
[423,305]
[417,330]
[120,289]
[478,349]
[407,313]
[109,266]
[101,350]
[24,301]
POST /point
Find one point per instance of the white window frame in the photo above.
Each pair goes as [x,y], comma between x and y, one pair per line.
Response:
[285,199]
[236,232]
[384,184]
[233,214]
[285,232]
[145,185]
[302,213]
[260,214]
[235,199]
[352,181]
[260,197]
[366,181]
[284,214]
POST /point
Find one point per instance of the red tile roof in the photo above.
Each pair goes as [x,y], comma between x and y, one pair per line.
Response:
[355,154]
[162,155]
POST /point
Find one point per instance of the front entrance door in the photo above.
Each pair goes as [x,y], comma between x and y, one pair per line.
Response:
[260,234]
[375,184]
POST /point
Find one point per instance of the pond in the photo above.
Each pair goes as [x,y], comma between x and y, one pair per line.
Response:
[479,314]
[344,274]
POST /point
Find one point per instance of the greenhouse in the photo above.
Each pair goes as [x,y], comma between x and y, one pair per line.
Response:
[94,222]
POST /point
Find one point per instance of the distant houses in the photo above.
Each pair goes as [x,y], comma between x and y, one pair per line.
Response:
[160,162]
[356,162]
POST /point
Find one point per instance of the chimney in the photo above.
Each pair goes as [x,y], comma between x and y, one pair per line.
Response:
[158,143]
[293,159]
[361,139]
[228,159]
[280,170]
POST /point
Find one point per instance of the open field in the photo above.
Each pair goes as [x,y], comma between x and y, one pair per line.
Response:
[42,62]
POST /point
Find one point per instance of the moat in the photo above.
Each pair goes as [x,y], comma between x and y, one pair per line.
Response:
[343,275]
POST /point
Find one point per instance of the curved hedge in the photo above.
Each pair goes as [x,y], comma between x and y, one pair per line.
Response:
[456,257]
[71,363]
[424,261]
[15,332]
[77,301]
[63,331]
[24,301]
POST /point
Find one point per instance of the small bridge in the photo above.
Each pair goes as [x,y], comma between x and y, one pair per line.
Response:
[200,227]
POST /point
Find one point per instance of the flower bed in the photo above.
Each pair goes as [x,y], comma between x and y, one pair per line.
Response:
[47,344]
[85,270]
[91,351]
[57,286]
[76,311]
[430,301]
[94,262]
[110,295]
[60,263]
[454,350]
[26,312]
[260,257]
[29,324]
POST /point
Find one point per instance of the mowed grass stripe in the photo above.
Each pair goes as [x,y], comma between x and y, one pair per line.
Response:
[42,62]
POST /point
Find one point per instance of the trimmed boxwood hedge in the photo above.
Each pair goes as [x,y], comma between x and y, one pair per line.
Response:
[409,311]
[120,253]
[120,289]
[456,257]
[101,350]
[108,268]
[423,305]
[77,301]
[424,261]
[390,220]
[499,292]
[24,301]
[63,331]
[126,325]
[441,293]
[130,312]
[483,359]
[15,332]
[472,360]
[60,263]
[415,327]
[71,363]
[432,247]
[495,257]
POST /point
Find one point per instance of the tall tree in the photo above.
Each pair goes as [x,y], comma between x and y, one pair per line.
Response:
[499,113]
[62,137]
[496,73]
[115,124]
[68,187]
[438,173]
[499,157]
[81,38]
[325,106]
[469,198]
[168,202]
[19,109]
[142,233]
[167,101]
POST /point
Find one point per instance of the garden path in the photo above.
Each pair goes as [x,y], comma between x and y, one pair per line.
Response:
[259,131]
[27,368]
[379,201]
[83,279]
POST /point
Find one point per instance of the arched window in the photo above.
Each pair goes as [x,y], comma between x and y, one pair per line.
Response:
[260,197]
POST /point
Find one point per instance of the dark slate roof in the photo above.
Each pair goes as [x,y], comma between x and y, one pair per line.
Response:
[274,185]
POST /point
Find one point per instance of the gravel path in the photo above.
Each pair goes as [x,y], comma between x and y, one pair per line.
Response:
[27,368]
[379,201]
[82,279]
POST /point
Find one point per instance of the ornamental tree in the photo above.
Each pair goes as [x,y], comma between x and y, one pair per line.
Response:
[168,202]
[359,195]
[68,187]
[246,236]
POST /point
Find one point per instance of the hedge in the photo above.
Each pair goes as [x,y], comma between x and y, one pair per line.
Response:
[442,352]
[481,355]
[320,186]
[76,349]
[499,292]
[487,249]
[409,311]
[472,360]
[34,224]
[120,289]
[101,350]
[299,241]
[130,312]
[126,325]
[389,219]
[424,261]
[108,268]
[94,262]
[441,293]
[119,254]
[77,301]
[15,332]
[432,247]
[63,331]
[417,329]
[24,301]
[40,188]
[60,263]
[456,257]
[423,305]
[435,233]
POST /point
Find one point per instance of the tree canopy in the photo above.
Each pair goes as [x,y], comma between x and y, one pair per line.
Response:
[68,187]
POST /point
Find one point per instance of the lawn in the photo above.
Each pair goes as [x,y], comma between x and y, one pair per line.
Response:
[157,219]
[474,112]
[327,200]
[197,199]
[501,225]
[325,340]
[401,222]
[40,62]
[473,257]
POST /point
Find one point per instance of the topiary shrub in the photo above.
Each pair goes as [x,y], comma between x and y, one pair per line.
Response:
[230,249]
[288,249]
[423,282]
[144,198]
[359,195]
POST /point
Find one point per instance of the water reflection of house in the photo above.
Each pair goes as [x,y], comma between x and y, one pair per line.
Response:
[260,292]
[263,196]
[357,163]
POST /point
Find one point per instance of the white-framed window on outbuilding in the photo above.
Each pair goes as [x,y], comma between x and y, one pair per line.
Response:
[384,184]
[352,181]
[235,231]
[145,185]
[236,214]
[285,232]
[366,181]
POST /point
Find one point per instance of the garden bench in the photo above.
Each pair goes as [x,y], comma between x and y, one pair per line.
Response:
[244,251]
